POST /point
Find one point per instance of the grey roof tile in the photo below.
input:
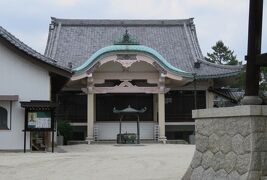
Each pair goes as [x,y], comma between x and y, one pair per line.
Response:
[75,40]
[26,49]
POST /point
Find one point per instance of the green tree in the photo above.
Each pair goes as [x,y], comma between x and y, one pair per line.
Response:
[222,55]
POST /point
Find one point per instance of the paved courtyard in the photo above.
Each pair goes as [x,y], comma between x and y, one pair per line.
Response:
[99,162]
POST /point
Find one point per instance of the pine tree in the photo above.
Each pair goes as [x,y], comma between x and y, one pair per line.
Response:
[222,55]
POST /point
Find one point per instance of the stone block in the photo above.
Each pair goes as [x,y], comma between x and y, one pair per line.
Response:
[207,159]
[247,144]
[208,174]
[218,161]
[218,127]
[196,159]
[242,164]
[197,173]
[237,144]
[230,162]
[221,174]
[231,126]
[244,126]
[244,176]
[226,143]
[203,142]
[203,127]
[214,143]
[233,176]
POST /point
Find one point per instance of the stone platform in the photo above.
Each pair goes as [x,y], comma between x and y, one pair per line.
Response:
[231,144]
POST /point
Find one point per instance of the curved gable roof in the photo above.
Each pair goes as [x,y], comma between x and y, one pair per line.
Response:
[132,48]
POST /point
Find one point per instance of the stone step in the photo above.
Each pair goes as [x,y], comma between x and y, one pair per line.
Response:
[77,142]
[144,141]
[264,178]
[176,142]
[104,142]
[115,142]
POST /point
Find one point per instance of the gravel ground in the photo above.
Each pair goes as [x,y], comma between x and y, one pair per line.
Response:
[99,162]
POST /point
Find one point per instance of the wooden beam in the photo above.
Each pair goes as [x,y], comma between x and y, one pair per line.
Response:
[150,77]
[104,90]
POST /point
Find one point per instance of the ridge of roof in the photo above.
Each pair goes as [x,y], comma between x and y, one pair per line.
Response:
[122,22]
[28,50]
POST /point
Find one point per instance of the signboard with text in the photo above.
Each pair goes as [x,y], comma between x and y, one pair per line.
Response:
[39,120]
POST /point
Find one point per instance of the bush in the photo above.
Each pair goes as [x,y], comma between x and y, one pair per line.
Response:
[64,129]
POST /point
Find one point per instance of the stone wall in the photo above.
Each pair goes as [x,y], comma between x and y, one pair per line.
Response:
[231,143]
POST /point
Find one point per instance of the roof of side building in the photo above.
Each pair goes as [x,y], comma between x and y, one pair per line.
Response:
[36,56]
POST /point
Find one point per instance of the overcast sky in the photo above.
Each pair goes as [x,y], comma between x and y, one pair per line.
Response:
[225,20]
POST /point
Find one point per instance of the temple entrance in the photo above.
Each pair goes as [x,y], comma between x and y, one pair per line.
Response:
[107,123]
[106,102]
[139,78]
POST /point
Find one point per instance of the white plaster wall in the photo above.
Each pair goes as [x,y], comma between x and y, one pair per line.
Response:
[31,82]
[109,130]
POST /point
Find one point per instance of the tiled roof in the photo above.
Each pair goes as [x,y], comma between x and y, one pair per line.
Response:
[29,51]
[74,41]
[233,94]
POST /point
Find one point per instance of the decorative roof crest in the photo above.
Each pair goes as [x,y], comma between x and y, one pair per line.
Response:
[126,39]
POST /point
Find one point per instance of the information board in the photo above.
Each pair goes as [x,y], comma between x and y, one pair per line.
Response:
[39,120]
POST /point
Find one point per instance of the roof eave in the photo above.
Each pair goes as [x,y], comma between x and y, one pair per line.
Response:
[22,51]
[215,76]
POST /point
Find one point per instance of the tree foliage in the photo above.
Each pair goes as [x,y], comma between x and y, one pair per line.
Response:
[222,55]
[65,129]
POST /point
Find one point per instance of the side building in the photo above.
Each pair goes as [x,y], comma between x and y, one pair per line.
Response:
[25,75]
[155,64]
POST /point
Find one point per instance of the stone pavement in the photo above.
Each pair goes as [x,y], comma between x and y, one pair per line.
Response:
[100,162]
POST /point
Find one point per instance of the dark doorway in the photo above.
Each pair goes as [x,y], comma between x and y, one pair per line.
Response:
[106,102]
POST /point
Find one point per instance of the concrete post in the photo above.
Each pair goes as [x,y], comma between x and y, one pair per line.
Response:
[90,117]
[161,117]
[209,99]
[231,143]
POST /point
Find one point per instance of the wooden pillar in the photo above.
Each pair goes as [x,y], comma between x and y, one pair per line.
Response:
[161,117]
[254,49]
[90,117]
[155,108]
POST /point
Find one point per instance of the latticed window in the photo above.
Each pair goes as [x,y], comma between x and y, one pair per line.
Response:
[3,118]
